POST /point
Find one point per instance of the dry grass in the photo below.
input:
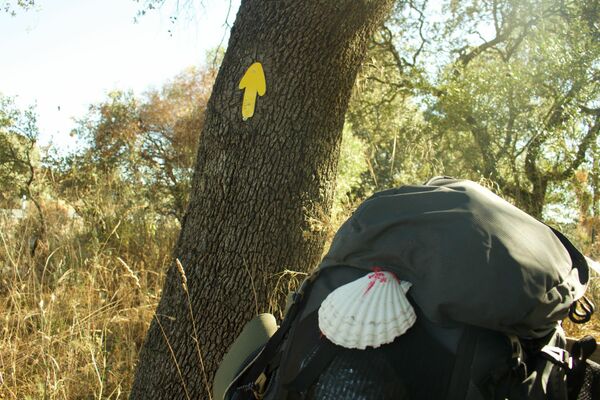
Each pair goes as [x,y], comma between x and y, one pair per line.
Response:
[593,326]
[74,315]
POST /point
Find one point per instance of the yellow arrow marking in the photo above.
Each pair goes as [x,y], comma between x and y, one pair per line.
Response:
[254,84]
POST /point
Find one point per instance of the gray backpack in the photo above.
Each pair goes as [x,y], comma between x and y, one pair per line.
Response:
[490,285]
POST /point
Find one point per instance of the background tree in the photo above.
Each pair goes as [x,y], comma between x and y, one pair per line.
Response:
[170,122]
[19,159]
[532,126]
[508,91]
[11,6]
[258,185]
[143,143]
[587,195]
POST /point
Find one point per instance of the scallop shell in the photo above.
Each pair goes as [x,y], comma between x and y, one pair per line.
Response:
[370,311]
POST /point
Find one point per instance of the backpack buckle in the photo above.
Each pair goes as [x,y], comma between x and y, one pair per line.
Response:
[587,307]
[518,363]
[558,356]
[257,387]
[517,350]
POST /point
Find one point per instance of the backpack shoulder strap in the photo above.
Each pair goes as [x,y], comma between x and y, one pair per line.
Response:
[325,353]
[461,375]
[248,380]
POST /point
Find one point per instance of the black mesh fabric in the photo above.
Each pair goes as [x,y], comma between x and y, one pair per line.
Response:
[590,390]
[358,375]
[414,366]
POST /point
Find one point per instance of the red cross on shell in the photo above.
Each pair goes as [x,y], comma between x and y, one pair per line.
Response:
[379,275]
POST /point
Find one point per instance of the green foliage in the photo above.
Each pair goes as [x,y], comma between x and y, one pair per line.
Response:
[522,109]
[352,166]
[505,90]
[11,6]
[19,155]
[141,150]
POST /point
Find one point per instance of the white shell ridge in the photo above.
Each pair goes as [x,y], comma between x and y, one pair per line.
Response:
[370,311]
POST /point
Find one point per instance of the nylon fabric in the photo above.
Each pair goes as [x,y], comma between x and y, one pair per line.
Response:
[471,256]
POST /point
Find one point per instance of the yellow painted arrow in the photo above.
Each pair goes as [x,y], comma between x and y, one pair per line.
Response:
[254,84]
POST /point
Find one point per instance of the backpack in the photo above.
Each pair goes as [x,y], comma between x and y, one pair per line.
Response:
[490,285]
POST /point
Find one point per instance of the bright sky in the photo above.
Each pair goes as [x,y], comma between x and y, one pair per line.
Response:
[69,54]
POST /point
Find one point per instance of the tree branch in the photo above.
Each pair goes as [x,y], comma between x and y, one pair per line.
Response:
[584,146]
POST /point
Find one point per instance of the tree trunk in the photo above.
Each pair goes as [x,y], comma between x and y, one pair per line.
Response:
[261,185]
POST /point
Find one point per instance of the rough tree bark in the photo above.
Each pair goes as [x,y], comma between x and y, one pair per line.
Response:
[259,185]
